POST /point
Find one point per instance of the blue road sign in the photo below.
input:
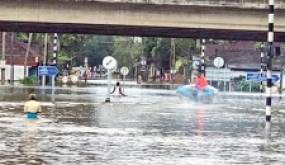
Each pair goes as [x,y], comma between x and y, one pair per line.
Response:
[47,70]
[256,77]
[195,58]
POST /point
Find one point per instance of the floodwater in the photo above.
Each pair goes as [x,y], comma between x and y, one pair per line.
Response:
[150,126]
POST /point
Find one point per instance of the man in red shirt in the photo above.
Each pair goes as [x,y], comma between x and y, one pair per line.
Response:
[201,82]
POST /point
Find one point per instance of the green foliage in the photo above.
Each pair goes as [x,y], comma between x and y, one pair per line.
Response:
[160,49]
[31,80]
[37,37]
[257,45]
[127,51]
[245,86]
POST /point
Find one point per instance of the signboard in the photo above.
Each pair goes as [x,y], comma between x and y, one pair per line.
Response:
[47,70]
[194,58]
[143,68]
[143,60]
[257,77]
[219,62]
[222,74]
[2,64]
[124,71]
[196,64]
[109,62]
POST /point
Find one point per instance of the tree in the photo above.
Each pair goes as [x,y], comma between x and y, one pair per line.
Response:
[127,51]
[77,47]
[27,54]
[160,49]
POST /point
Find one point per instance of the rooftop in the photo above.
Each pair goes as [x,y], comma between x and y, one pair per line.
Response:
[17,50]
[241,55]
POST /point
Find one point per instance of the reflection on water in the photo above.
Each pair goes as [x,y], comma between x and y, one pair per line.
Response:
[133,134]
[29,144]
[80,132]
[201,120]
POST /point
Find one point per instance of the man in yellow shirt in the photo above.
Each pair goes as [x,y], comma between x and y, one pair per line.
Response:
[32,107]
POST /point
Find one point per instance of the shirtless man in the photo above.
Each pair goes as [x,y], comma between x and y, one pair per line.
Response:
[117,90]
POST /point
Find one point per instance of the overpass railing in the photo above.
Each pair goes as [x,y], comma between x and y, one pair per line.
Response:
[233,3]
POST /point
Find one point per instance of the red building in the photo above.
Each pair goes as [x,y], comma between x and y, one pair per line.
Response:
[15,51]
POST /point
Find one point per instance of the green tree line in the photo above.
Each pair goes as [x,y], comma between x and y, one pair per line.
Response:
[127,50]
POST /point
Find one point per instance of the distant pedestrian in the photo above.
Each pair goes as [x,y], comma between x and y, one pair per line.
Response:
[139,79]
[85,76]
[32,107]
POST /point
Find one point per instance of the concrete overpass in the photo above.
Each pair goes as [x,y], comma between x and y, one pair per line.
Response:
[138,19]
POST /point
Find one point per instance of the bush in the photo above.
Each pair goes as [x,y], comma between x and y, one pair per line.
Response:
[31,80]
[245,86]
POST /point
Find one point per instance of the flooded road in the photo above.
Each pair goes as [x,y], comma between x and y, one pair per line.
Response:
[147,127]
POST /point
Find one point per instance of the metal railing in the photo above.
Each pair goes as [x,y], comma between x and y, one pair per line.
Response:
[233,3]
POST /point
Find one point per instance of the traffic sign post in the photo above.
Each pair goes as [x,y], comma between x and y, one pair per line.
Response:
[143,60]
[195,64]
[257,77]
[109,63]
[48,71]
[219,62]
[124,71]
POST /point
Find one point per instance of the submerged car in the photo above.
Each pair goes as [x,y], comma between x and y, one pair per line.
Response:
[204,96]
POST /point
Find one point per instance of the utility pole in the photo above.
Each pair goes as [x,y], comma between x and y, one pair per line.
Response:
[202,58]
[55,49]
[261,67]
[270,40]
[281,76]
[44,60]
[12,61]
[192,51]
[172,57]
[3,62]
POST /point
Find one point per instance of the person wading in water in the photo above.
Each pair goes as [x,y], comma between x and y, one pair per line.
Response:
[117,91]
[32,107]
